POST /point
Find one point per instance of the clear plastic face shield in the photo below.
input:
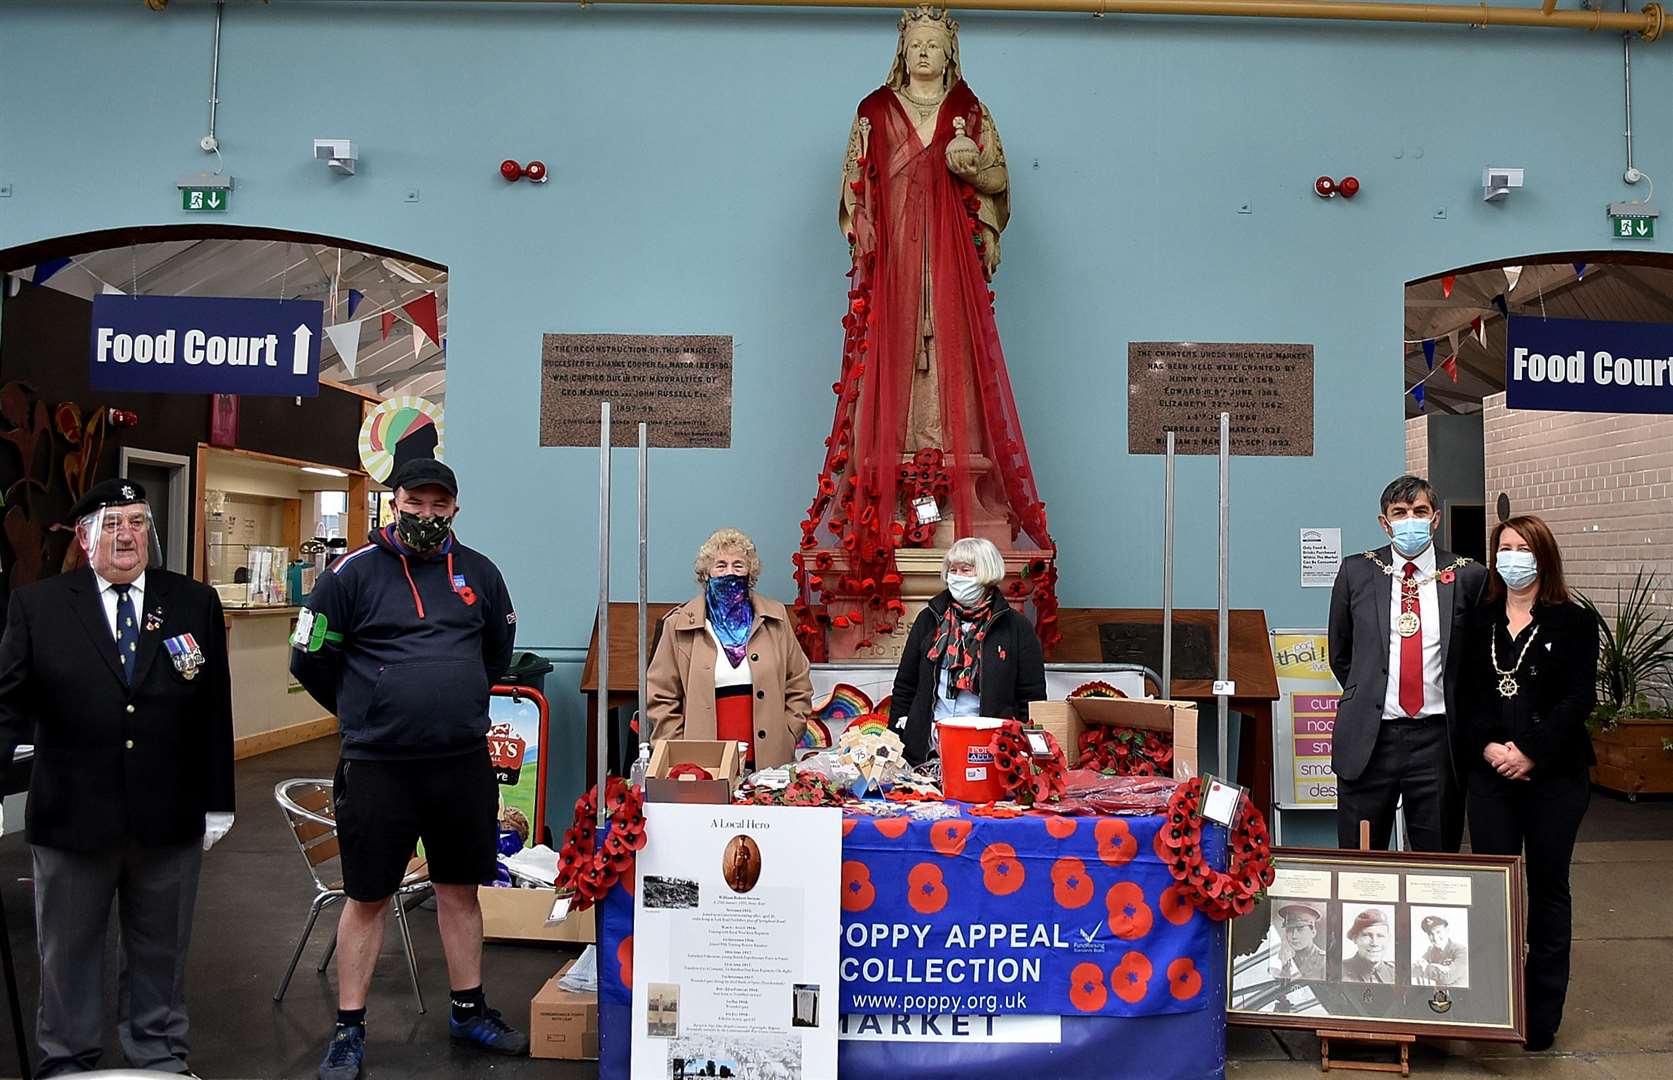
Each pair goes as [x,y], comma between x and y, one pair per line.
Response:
[120,541]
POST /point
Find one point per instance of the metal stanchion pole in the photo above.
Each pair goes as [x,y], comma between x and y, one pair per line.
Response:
[1225,586]
[1167,572]
[603,718]
[644,572]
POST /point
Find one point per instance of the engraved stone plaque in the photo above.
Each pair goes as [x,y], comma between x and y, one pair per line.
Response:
[681,385]
[1184,386]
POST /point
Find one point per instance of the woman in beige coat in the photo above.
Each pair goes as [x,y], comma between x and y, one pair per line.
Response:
[728,665]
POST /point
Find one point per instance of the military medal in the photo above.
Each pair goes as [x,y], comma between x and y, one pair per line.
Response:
[187,657]
[154,621]
[1508,686]
[1408,624]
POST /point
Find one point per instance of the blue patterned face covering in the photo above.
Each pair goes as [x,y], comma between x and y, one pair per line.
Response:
[730,613]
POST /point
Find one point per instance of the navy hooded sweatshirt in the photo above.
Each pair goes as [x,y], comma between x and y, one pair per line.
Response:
[403,647]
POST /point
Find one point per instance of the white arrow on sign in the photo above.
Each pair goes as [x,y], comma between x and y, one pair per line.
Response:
[299,356]
[214,200]
[1643,227]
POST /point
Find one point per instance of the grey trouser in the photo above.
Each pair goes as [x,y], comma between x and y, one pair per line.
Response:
[155,889]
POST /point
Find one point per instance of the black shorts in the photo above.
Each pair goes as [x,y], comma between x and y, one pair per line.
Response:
[385,807]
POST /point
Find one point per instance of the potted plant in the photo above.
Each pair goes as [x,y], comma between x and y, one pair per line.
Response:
[1632,725]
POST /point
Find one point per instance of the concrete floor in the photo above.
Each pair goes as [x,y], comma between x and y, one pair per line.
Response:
[256,889]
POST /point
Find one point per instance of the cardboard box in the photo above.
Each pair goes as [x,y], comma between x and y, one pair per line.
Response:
[563,1024]
[1067,719]
[520,915]
[719,757]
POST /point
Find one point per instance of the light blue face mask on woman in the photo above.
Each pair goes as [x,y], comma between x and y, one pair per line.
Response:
[1412,535]
[1518,568]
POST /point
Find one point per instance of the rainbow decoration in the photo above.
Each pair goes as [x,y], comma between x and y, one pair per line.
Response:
[389,423]
[869,724]
[816,736]
[844,704]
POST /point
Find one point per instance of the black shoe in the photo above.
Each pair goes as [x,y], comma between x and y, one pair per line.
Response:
[490,1032]
[1539,1041]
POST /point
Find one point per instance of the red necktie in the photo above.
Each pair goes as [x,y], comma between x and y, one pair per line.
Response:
[1411,650]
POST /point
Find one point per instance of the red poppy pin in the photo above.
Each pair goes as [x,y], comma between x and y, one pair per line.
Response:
[1002,654]
[1448,577]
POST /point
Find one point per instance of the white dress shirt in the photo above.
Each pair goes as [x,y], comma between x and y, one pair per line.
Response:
[107,596]
[1429,610]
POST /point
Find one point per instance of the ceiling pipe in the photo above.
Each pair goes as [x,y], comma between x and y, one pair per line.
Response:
[1647,24]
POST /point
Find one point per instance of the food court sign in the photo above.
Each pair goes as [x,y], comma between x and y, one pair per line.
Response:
[1585,365]
[206,345]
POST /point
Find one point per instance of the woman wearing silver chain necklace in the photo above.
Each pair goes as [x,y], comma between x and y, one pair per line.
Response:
[1529,682]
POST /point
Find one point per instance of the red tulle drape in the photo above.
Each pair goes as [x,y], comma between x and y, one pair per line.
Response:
[910,212]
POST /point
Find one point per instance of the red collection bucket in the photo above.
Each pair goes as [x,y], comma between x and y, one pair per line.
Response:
[967,772]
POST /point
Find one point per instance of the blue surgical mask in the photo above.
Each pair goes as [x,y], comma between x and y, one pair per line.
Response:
[1518,568]
[1412,535]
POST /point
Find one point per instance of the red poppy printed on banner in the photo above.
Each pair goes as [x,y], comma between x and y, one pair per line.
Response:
[1059,826]
[1130,916]
[926,891]
[1002,871]
[857,889]
[1131,978]
[1086,988]
[629,877]
[848,825]
[948,836]
[892,827]
[1176,905]
[1184,980]
[1071,885]
[624,957]
[1116,843]
[1158,844]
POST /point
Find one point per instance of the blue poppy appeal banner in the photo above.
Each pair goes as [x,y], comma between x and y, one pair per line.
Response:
[205,345]
[993,916]
[1586,365]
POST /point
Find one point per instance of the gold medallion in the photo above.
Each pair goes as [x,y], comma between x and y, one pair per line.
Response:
[1408,624]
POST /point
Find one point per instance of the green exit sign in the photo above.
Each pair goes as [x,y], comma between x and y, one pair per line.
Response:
[196,200]
[1632,228]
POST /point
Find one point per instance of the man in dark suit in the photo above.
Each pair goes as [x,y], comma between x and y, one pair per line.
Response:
[1393,649]
[117,672]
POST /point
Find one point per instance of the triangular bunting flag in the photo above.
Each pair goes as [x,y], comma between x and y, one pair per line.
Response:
[1429,353]
[388,324]
[1452,340]
[1513,274]
[1479,329]
[47,268]
[1580,271]
[345,338]
[1504,308]
[355,296]
[1450,366]
[1417,392]
[111,290]
[417,340]
[423,314]
[1447,282]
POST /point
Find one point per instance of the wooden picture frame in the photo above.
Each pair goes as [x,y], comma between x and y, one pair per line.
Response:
[1389,943]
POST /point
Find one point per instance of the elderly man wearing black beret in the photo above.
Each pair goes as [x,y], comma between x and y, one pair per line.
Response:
[117,673]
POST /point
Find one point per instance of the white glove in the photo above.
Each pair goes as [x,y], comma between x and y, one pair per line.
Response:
[215,826]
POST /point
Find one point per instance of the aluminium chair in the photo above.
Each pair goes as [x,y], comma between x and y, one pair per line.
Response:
[307,806]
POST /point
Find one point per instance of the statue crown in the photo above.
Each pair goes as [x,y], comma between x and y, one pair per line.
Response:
[923,14]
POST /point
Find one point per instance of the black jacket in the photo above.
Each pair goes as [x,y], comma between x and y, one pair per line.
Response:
[1360,606]
[116,763]
[1559,675]
[403,653]
[1013,673]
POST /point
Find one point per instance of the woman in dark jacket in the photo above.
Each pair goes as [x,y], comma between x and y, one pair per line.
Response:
[970,653]
[1527,685]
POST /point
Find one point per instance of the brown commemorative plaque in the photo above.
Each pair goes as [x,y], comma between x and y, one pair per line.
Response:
[680,385]
[1184,386]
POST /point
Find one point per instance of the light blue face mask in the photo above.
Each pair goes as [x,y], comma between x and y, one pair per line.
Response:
[1412,535]
[1518,568]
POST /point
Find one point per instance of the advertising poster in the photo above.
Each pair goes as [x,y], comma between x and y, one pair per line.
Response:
[736,932]
[514,750]
[1303,721]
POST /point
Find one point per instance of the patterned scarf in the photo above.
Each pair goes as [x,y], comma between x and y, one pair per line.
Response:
[730,613]
[961,648]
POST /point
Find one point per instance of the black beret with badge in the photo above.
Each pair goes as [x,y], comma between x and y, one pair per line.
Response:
[116,491]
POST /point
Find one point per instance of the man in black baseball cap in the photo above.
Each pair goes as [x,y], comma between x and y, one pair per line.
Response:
[402,640]
[117,673]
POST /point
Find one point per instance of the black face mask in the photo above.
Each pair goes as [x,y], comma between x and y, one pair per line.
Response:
[422,533]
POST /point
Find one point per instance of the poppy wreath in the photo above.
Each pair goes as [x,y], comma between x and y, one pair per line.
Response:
[587,869]
[802,791]
[1218,894]
[1026,778]
[687,768]
[1126,751]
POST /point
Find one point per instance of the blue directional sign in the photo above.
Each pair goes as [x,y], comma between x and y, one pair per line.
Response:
[1588,365]
[206,345]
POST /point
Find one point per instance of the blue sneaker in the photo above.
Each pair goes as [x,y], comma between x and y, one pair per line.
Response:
[344,1054]
[490,1032]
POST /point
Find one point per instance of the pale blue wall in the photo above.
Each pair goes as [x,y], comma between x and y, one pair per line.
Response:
[694,158]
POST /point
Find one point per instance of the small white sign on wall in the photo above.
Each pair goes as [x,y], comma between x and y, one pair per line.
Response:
[1321,557]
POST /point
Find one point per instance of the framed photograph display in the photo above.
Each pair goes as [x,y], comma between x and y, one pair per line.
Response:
[1383,942]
